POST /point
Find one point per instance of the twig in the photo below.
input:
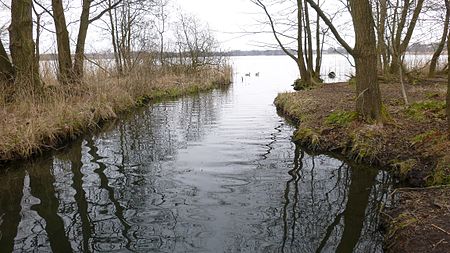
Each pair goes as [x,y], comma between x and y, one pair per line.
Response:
[435,245]
[422,188]
[439,228]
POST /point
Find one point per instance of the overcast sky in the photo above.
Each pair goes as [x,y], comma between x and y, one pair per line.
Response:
[229,19]
[232,22]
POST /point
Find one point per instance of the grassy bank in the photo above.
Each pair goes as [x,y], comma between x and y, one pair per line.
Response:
[37,123]
[412,144]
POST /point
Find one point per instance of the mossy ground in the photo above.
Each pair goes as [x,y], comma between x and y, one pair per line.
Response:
[327,122]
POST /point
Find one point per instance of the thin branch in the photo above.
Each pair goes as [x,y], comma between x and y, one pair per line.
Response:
[333,29]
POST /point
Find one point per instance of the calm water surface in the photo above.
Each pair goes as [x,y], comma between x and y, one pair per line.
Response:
[215,172]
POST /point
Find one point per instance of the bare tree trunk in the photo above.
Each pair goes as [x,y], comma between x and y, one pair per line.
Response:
[78,64]
[22,47]
[368,100]
[161,28]
[447,4]
[6,68]
[405,96]
[318,47]
[38,37]
[368,95]
[440,47]
[305,75]
[63,43]
[381,30]
[308,47]
[399,45]
[114,40]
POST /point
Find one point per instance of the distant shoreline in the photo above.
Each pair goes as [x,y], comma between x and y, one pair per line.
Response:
[49,57]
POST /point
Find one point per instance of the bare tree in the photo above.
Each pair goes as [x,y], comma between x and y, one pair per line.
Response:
[22,47]
[381,17]
[400,30]
[63,43]
[302,54]
[161,26]
[85,20]
[196,44]
[368,95]
[441,45]
[39,26]
[69,71]
[128,28]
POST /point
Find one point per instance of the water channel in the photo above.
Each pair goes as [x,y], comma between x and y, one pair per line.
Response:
[215,172]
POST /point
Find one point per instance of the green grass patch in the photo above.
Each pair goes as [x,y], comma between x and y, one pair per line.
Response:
[441,174]
[299,84]
[404,167]
[420,110]
[341,118]
[420,138]
[365,145]
[308,137]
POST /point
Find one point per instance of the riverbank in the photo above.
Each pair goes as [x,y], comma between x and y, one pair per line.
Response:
[30,126]
[412,144]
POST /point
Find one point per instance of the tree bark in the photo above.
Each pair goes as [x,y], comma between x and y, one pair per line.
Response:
[308,46]
[381,29]
[440,47]
[114,42]
[63,43]
[22,47]
[368,95]
[305,75]
[318,47]
[6,68]
[368,100]
[447,4]
[78,64]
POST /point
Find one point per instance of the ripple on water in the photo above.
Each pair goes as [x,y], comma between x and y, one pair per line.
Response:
[210,173]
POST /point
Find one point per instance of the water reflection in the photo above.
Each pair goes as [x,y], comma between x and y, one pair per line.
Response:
[11,185]
[209,173]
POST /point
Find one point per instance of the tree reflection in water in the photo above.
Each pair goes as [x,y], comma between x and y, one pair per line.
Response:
[335,210]
[146,185]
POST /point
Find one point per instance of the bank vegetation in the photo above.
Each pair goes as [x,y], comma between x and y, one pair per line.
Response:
[44,103]
[389,114]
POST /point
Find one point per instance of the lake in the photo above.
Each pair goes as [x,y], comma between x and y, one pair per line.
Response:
[214,172]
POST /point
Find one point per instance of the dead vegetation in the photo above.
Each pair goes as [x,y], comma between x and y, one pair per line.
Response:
[412,141]
[412,144]
[39,122]
[420,221]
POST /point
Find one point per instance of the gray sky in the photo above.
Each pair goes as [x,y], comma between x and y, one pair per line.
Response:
[228,19]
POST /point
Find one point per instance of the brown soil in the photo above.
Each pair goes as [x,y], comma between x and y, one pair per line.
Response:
[420,222]
[411,143]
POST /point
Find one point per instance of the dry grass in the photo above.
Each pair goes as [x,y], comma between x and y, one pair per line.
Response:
[420,220]
[412,142]
[33,124]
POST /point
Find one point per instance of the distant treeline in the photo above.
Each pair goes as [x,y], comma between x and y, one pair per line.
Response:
[416,48]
